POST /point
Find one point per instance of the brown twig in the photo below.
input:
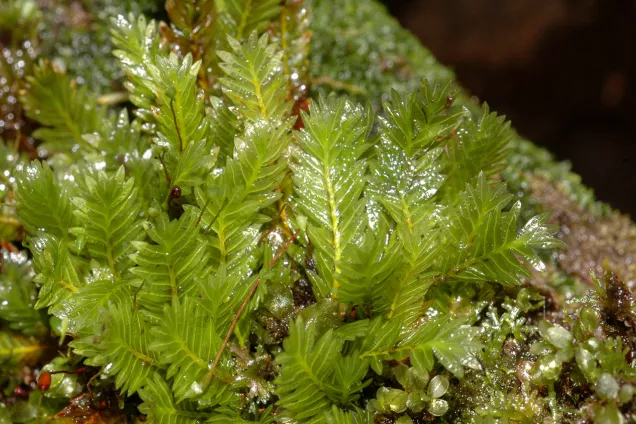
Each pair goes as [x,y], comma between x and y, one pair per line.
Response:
[244,305]
[90,382]
[176,125]
[165,169]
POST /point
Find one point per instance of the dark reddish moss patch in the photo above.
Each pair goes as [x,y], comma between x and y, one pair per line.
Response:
[593,242]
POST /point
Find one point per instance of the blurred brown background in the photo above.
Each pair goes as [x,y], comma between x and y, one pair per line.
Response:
[564,72]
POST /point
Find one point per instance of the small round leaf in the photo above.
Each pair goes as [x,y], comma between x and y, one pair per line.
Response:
[404,419]
[438,386]
[606,386]
[549,368]
[559,337]
[438,407]
[589,319]
[626,393]
[585,360]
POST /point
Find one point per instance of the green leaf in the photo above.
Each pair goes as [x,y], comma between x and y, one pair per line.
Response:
[242,17]
[438,407]
[437,387]
[43,203]
[18,294]
[169,266]
[59,272]
[483,241]
[329,179]
[452,341]
[160,407]
[188,354]
[254,82]
[108,211]
[65,110]
[122,349]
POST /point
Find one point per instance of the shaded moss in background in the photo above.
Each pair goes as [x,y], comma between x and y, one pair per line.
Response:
[563,71]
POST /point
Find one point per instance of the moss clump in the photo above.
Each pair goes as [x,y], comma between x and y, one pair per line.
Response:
[293,216]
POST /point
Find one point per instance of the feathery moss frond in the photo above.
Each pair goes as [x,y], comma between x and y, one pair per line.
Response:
[254,81]
[160,407]
[314,375]
[168,267]
[18,294]
[67,111]
[480,146]
[89,306]
[43,203]
[108,211]
[58,270]
[189,352]
[489,238]
[122,349]
[137,46]
[17,350]
[329,179]
[417,120]
[453,341]
[302,275]
[240,18]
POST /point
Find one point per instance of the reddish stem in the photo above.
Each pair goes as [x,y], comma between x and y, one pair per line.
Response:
[244,305]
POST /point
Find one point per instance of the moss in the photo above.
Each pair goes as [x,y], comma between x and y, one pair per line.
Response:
[558,349]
